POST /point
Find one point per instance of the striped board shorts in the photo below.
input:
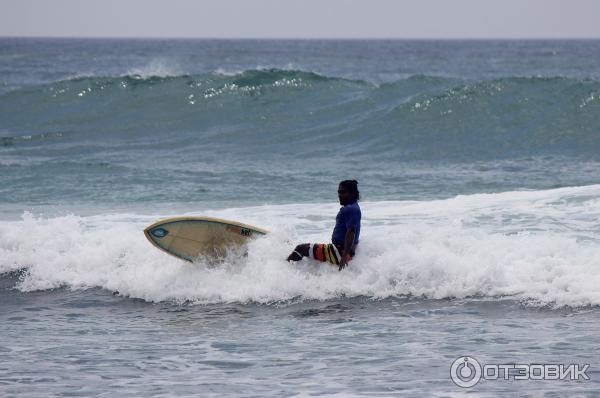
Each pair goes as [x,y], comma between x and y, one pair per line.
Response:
[325,252]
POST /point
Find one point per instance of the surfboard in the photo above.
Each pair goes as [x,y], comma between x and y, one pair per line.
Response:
[191,237]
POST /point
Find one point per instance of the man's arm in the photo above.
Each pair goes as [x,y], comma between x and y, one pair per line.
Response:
[348,244]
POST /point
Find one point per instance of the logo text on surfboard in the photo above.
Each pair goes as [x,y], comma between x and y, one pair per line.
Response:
[240,230]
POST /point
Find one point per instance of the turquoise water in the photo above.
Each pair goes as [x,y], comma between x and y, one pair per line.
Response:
[477,163]
[203,122]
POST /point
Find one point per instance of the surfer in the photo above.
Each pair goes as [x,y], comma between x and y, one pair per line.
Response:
[345,233]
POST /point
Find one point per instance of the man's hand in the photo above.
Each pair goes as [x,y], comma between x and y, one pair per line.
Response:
[344,262]
[348,243]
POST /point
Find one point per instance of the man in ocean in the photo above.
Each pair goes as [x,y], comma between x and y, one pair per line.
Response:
[345,234]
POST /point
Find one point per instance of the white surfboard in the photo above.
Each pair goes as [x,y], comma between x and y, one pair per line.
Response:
[191,237]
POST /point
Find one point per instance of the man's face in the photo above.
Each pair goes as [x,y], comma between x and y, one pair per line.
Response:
[344,196]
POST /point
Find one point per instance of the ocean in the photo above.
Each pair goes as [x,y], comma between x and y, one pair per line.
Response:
[477,163]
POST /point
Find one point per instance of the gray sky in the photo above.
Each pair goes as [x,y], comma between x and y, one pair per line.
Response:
[302,18]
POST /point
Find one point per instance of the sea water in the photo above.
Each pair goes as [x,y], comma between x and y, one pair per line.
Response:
[478,167]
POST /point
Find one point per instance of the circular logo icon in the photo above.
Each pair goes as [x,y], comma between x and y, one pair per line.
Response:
[465,372]
[159,232]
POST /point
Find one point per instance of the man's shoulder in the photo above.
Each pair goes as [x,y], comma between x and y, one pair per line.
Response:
[351,208]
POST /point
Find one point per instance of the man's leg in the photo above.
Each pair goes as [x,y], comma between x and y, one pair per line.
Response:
[299,252]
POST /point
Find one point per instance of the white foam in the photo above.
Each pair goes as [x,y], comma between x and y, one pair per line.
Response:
[159,67]
[541,247]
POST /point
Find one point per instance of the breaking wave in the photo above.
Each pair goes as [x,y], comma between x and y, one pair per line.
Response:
[537,247]
[261,109]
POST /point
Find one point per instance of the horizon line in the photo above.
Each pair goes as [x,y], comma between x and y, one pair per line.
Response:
[533,38]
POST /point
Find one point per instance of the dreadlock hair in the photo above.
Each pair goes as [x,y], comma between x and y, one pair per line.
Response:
[352,187]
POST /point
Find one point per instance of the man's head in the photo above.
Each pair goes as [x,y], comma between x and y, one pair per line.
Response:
[348,192]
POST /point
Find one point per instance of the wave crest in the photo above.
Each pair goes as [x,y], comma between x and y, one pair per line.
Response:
[406,120]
